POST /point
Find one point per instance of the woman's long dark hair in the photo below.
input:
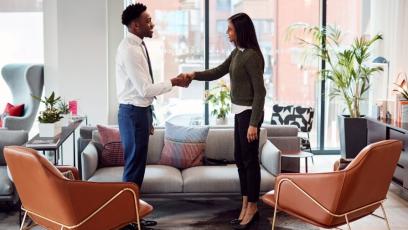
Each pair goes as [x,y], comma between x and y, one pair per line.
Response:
[245,30]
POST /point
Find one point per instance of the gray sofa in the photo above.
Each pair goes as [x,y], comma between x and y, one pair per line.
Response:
[9,137]
[163,179]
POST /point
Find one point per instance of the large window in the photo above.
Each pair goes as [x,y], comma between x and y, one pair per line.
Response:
[346,15]
[21,37]
[178,46]
[286,83]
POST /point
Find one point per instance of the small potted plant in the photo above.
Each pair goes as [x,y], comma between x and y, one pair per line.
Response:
[219,99]
[65,113]
[49,118]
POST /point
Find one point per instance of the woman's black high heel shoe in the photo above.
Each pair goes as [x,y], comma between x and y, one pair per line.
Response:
[235,221]
[255,217]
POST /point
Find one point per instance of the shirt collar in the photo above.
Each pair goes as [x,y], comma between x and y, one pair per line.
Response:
[135,39]
[241,49]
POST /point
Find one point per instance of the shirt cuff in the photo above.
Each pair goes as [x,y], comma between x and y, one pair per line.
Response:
[168,84]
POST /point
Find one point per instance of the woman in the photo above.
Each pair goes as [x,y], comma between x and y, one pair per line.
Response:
[245,66]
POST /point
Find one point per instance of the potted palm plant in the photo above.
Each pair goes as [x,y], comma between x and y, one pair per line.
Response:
[49,125]
[220,101]
[349,74]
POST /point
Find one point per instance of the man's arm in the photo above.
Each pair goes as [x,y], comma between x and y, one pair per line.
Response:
[143,85]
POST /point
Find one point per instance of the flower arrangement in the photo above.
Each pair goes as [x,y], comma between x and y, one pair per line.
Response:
[51,114]
[220,100]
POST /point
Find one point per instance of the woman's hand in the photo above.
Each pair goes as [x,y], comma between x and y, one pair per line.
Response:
[252,133]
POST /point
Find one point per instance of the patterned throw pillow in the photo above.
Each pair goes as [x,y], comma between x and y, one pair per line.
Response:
[183,146]
[112,153]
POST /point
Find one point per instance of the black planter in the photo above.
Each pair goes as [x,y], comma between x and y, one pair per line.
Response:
[353,135]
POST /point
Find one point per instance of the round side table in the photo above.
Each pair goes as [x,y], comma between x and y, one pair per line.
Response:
[300,154]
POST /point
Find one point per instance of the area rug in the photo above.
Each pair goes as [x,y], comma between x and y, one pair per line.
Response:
[192,213]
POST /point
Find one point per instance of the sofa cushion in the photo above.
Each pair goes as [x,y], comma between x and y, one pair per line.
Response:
[158,178]
[183,146]
[6,187]
[219,179]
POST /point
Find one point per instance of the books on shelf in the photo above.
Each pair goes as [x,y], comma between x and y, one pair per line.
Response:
[43,142]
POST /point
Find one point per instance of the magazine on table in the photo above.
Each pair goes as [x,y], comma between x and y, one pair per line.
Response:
[43,142]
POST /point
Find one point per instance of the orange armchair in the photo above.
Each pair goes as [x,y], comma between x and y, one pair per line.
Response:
[55,202]
[332,199]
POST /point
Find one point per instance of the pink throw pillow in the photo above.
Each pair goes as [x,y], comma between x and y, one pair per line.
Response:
[112,153]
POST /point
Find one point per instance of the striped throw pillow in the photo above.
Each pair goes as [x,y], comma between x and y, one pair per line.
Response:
[184,147]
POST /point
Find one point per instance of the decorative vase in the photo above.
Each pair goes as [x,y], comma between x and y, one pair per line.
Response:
[65,120]
[221,121]
[49,129]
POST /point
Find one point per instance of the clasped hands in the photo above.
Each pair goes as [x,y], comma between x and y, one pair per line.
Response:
[183,79]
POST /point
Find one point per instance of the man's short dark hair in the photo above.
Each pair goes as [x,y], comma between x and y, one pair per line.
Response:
[132,12]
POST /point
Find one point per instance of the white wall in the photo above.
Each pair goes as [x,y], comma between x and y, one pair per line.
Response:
[80,39]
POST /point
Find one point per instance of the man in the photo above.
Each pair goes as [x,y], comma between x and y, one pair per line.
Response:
[136,91]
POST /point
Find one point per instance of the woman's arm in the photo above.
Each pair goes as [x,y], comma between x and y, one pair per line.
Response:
[215,73]
[254,66]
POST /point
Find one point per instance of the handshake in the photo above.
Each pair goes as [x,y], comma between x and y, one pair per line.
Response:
[183,79]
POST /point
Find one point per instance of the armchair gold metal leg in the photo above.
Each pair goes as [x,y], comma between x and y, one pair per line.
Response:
[276,207]
[348,223]
[274,216]
[385,217]
[22,223]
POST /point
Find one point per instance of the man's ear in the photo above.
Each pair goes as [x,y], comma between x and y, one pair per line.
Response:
[134,25]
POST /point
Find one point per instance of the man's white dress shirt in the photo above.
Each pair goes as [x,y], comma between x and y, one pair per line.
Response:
[133,81]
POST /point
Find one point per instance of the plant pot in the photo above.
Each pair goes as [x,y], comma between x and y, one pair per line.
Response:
[65,120]
[221,121]
[353,135]
[49,129]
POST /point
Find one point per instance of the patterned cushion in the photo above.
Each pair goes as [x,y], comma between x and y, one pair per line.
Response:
[184,147]
[112,153]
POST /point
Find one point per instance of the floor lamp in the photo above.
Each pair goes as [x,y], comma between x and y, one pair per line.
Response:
[382,60]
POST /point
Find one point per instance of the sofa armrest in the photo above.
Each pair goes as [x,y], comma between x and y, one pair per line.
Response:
[286,144]
[270,158]
[89,160]
[281,130]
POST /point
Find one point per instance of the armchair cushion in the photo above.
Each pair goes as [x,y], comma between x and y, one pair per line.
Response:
[12,110]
